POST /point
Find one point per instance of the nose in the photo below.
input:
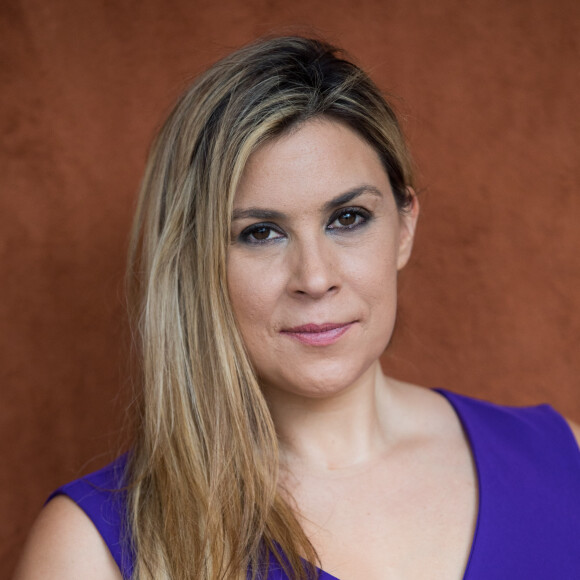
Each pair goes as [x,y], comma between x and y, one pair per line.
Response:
[314,270]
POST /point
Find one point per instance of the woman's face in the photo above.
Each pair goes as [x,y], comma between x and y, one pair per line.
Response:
[317,241]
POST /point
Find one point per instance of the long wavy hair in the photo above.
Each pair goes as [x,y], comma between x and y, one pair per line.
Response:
[203,495]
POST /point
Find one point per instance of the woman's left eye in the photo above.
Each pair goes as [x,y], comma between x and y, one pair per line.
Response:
[348,219]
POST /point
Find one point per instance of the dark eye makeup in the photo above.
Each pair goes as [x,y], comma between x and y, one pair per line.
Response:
[261,233]
[343,220]
[348,218]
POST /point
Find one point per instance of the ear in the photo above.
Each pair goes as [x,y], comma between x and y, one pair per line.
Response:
[408,222]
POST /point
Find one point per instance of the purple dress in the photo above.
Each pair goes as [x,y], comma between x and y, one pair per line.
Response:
[528,470]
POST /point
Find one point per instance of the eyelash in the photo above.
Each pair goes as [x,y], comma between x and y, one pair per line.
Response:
[362,217]
[358,212]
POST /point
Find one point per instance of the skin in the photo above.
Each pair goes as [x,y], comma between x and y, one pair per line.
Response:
[366,460]
[65,545]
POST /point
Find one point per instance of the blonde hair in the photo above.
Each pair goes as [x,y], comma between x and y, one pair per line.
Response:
[203,498]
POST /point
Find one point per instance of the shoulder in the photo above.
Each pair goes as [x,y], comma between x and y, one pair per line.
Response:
[81,531]
[65,544]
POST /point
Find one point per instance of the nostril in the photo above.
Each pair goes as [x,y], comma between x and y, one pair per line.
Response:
[316,292]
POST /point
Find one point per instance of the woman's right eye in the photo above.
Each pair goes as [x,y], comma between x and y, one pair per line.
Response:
[260,234]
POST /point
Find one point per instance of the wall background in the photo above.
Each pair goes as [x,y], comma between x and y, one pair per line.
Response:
[490,305]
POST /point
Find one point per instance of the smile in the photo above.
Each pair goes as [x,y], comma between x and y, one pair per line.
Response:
[318,334]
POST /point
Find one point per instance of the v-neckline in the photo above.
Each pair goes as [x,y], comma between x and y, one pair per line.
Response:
[450,398]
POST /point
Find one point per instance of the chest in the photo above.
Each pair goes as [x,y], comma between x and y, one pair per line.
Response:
[413,519]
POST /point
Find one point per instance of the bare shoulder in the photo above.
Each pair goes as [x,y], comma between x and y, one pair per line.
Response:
[64,544]
[575,430]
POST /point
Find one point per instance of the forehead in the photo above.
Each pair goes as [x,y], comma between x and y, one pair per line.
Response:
[318,160]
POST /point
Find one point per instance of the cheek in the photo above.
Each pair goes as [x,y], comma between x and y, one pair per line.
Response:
[374,270]
[253,297]
[252,293]
[242,293]
[375,283]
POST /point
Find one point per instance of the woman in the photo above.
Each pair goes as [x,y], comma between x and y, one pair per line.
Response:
[276,211]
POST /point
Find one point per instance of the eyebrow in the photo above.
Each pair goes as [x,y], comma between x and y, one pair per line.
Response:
[343,198]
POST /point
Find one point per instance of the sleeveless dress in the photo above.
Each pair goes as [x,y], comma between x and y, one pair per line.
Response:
[528,471]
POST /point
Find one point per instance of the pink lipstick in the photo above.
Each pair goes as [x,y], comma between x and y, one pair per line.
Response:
[318,334]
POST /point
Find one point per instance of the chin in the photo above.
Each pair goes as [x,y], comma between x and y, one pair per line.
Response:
[323,381]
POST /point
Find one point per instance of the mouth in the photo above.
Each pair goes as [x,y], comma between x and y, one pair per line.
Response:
[318,334]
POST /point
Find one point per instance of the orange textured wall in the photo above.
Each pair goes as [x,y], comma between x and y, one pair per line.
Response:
[490,305]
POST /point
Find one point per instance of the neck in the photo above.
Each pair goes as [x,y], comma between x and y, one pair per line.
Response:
[336,432]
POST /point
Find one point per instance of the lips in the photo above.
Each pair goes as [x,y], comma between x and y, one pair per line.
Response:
[318,334]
